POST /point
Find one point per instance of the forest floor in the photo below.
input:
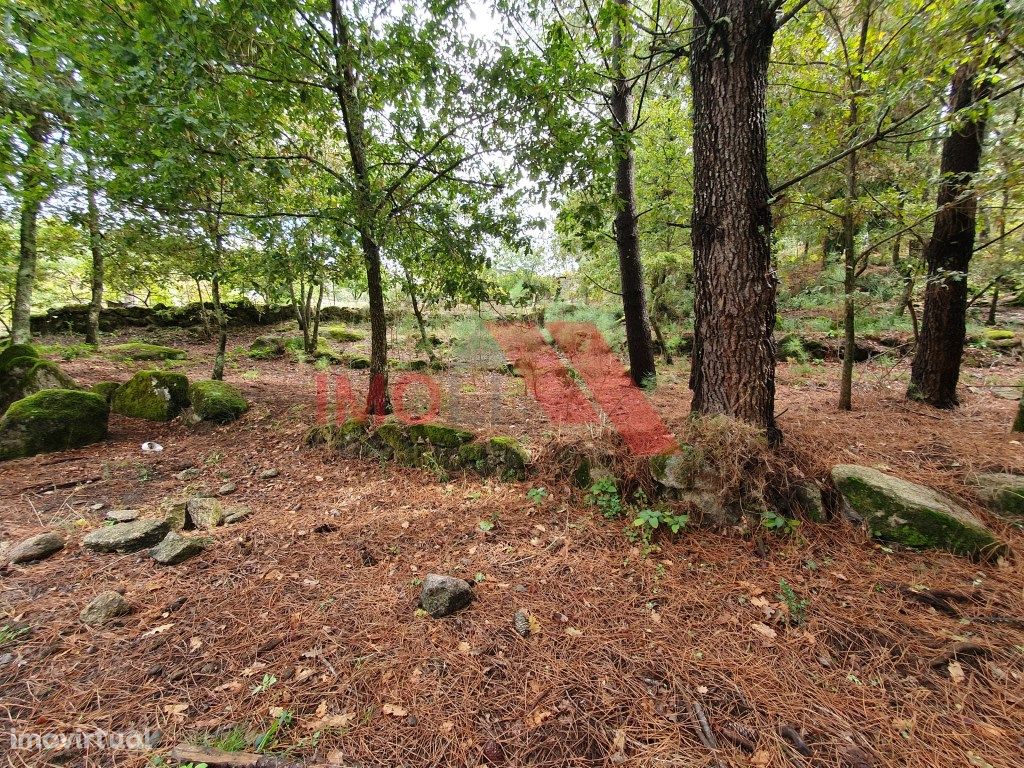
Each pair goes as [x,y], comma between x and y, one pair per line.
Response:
[309,606]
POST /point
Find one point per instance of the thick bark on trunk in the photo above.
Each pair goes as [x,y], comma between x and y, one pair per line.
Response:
[936,367]
[92,331]
[627,235]
[32,196]
[733,370]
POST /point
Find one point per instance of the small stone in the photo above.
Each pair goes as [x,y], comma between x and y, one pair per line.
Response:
[269,474]
[444,595]
[155,671]
[127,537]
[176,548]
[227,488]
[123,515]
[38,547]
[7,658]
[235,514]
[104,607]
[191,473]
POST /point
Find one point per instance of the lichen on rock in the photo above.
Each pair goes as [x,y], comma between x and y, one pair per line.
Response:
[152,395]
[910,514]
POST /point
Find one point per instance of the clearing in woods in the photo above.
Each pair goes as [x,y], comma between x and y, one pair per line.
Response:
[298,632]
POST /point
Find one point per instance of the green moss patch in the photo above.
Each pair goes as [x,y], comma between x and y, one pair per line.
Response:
[266,347]
[106,389]
[27,375]
[216,401]
[152,395]
[13,352]
[906,513]
[1002,492]
[342,334]
[52,420]
[138,350]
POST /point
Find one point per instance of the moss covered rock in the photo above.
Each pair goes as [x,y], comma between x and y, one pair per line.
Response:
[997,334]
[106,389]
[266,347]
[357,362]
[15,351]
[342,334]
[897,510]
[52,420]
[152,395]
[507,458]
[27,375]
[216,401]
[1003,493]
[138,350]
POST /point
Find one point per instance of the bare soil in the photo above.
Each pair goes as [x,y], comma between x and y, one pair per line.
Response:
[685,656]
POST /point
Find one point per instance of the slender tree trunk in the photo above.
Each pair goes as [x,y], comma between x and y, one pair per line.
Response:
[222,330]
[315,341]
[733,369]
[935,370]
[665,351]
[849,230]
[92,331]
[203,315]
[993,306]
[418,312]
[346,90]
[32,197]
[627,235]
[308,345]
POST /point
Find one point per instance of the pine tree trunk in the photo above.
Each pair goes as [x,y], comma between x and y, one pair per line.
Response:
[92,331]
[627,235]
[733,370]
[32,196]
[936,367]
